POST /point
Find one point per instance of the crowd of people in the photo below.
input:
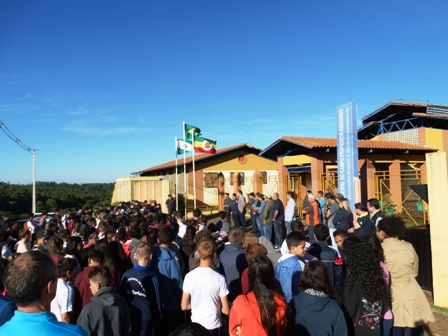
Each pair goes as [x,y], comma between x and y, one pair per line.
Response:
[134,270]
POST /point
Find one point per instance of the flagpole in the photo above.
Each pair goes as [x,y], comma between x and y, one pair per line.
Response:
[185,174]
[194,172]
[177,177]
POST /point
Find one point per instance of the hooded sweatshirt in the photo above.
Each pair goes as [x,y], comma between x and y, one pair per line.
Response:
[106,314]
[315,314]
[288,270]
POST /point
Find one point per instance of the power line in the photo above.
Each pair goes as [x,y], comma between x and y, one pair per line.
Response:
[10,135]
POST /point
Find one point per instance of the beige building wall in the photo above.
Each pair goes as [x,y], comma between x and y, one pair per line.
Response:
[437,170]
[141,189]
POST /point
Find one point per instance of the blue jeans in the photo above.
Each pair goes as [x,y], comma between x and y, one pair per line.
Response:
[386,326]
[267,231]
[243,220]
[255,228]
[259,225]
[236,219]
[278,231]
[288,227]
[418,331]
[311,234]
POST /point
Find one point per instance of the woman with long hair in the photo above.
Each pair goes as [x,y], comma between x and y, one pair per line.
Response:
[313,311]
[344,217]
[410,307]
[55,247]
[365,295]
[262,311]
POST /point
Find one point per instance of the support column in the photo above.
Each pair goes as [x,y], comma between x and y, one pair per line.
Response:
[236,182]
[395,184]
[437,166]
[221,191]
[257,181]
[317,169]
[282,183]
[370,179]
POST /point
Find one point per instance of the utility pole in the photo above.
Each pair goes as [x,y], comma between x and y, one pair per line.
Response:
[28,149]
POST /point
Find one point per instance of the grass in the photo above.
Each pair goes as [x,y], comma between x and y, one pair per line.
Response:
[439,310]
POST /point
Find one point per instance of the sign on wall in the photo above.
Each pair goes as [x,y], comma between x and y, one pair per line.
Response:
[347,149]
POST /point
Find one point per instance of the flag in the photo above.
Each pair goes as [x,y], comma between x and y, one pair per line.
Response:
[190,130]
[183,146]
[203,145]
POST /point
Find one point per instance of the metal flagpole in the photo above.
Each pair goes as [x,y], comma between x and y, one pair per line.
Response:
[194,171]
[185,174]
[34,180]
[177,177]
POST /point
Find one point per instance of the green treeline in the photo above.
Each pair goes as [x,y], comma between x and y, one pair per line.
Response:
[16,199]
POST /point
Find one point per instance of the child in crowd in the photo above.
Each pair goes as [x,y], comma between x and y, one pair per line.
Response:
[205,291]
[313,312]
[289,266]
[327,255]
[107,313]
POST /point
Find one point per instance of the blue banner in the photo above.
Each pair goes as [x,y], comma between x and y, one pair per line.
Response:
[347,149]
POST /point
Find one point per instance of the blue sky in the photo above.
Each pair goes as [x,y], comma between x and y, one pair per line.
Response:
[101,88]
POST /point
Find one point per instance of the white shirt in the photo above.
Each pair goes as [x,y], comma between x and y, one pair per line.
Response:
[206,288]
[289,211]
[31,226]
[182,229]
[63,301]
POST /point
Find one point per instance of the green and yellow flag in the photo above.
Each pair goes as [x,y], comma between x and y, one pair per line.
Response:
[190,130]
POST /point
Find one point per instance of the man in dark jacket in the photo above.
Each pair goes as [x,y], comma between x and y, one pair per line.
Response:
[107,313]
[233,260]
[327,255]
[373,205]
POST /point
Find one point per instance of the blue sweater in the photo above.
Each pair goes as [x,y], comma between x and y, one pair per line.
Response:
[288,271]
[140,288]
[233,260]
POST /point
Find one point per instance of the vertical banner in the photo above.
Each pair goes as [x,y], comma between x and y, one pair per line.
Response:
[347,149]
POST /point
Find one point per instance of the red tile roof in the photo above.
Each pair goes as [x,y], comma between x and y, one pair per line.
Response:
[197,158]
[369,144]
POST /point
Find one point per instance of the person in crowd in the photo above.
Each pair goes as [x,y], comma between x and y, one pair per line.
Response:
[222,225]
[62,304]
[387,321]
[92,237]
[322,203]
[55,247]
[22,245]
[251,251]
[311,215]
[296,226]
[289,266]
[4,247]
[362,224]
[182,226]
[203,223]
[234,262]
[33,316]
[227,206]
[328,256]
[258,210]
[205,291]
[140,287]
[278,218]
[107,313]
[82,285]
[305,201]
[170,205]
[410,308]
[267,217]
[253,204]
[135,235]
[242,209]
[344,217]
[313,311]
[165,265]
[7,305]
[376,214]
[340,236]
[42,237]
[262,311]
[290,211]
[74,247]
[365,296]
[235,211]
